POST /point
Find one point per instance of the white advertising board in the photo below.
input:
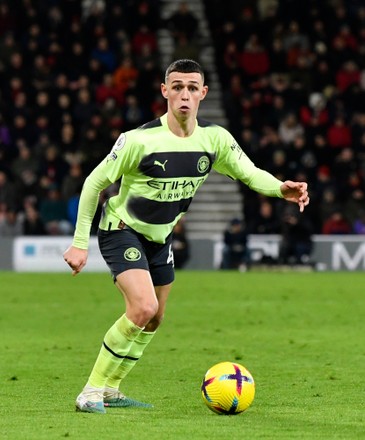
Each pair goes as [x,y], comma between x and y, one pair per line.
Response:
[43,254]
[334,253]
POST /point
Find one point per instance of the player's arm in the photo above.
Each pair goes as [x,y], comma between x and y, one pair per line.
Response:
[76,255]
[265,183]
[233,162]
[107,172]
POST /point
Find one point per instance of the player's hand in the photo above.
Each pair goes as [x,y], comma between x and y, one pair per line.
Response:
[76,258]
[296,192]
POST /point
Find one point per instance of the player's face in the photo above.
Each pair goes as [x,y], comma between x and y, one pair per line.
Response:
[184,91]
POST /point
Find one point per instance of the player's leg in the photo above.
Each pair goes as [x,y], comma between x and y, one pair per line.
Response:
[141,306]
[112,394]
[125,257]
[162,273]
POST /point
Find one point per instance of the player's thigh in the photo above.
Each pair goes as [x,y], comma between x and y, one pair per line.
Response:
[139,295]
[137,288]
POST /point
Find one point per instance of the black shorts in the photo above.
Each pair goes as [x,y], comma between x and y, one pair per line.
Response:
[125,249]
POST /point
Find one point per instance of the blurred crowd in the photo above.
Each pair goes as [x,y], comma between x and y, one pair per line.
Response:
[74,74]
[293,78]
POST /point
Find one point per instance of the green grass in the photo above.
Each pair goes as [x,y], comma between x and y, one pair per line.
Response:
[302,336]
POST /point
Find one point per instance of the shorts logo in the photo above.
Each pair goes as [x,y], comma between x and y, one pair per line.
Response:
[203,164]
[132,254]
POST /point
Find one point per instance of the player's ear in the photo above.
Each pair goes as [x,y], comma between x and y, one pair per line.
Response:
[204,92]
[164,90]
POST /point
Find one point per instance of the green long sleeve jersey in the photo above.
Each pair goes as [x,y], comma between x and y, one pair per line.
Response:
[160,174]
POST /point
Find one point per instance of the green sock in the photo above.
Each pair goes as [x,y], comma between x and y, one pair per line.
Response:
[117,343]
[129,361]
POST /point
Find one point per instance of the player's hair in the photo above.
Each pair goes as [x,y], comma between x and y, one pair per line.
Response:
[184,66]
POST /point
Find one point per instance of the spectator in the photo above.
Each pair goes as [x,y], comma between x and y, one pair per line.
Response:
[53,168]
[7,20]
[134,113]
[294,38]
[358,225]
[323,76]
[339,54]
[144,13]
[8,193]
[32,222]
[355,205]
[11,225]
[264,222]
[278,111]
[143,38]
[62,114]
[25,167]
[104,54]
[231,59]
[235,252]
[53,210]
[321,150]
[77,60]
[72,182]
[277,56]
[302,159]
[296,238]
[42,104]
[254,59]
[23,129]
[290,128]
[328,204]
[111,112]
[323,181]
[92,9]
[116,19]
[124,75]
[279,166]
[107,90]
[16,69]
[68,142]
[347,75]
[339,133]
[84,107]
[315,114]
[336,224]
[346,170]
[183,21]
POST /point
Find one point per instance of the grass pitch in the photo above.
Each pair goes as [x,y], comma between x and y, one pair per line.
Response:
[302,336]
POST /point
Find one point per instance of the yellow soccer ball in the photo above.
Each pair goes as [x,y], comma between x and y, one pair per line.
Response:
[228,388]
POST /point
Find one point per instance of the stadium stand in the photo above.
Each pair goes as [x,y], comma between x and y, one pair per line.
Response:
[293,77]
[290,82]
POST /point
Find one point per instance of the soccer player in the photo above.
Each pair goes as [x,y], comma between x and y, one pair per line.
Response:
[161,166]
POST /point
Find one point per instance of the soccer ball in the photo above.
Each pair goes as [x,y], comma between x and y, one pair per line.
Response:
[228,388]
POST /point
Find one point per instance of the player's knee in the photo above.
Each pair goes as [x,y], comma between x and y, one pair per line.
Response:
[147,311]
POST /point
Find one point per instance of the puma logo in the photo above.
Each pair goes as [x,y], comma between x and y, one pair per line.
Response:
[162,165]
